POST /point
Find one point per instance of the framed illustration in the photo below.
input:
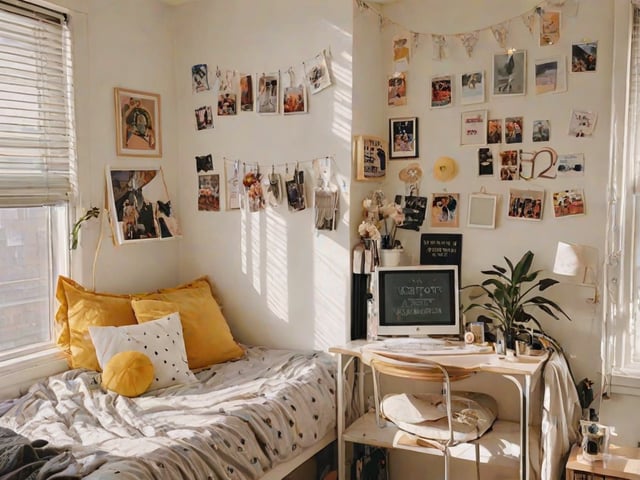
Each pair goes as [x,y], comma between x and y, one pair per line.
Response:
[138,131]
[139,205]
[509,73]
[472,88]
[370,157]
[525,204]
[473,128]
[403,137]
[482,210]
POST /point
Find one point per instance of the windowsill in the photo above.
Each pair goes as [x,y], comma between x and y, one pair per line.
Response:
[625,382]
[18,374]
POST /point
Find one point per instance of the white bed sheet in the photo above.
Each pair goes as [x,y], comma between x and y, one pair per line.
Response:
[239,420]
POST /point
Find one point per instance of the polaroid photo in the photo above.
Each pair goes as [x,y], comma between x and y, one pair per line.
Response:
[584,57]
[568,203]
[209,193]
[571,165]
[199,78]
[397,90]
[246,92]
[441,91]
[485,162]
[509,73]
[294,100]
[227,95]
[204,163]
[268,93]
[541,131]
[509,165]
[582,123]
[317,73]
[494,131]
[204,117]
[472,88]
[525,204]
[513,129]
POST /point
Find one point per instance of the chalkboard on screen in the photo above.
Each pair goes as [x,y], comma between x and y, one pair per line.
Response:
[418,300]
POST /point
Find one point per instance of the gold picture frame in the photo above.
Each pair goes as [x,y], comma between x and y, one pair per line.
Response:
[138,132]
[371,157]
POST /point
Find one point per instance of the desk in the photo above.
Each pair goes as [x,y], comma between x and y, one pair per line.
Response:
[620,463]
[522,373]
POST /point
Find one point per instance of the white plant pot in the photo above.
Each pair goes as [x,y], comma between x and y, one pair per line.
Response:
[391,257]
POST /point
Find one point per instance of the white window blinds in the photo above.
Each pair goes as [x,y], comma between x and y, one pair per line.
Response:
[37,140]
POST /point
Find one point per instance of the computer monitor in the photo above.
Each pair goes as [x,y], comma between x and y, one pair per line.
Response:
[417,301]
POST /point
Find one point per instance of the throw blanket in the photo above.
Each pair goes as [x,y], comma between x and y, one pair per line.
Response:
[21,459]
[239,420]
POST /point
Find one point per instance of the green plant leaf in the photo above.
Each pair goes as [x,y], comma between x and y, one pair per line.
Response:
[522,268]
[500,269]
[546,283]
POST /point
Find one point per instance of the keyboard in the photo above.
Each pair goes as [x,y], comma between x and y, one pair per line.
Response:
[432,346]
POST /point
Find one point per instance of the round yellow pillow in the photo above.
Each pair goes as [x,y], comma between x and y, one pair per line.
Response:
[128,373]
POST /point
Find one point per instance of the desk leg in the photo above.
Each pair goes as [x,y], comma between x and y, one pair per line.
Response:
[524,387]
[341,412]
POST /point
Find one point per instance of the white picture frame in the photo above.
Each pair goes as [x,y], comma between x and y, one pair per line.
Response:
[509,73]
[471,87]
[482,210]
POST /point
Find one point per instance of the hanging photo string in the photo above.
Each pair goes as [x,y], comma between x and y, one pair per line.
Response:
[325,195]
[501,33]
[439,46]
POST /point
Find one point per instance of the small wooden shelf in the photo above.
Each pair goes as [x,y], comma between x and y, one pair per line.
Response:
[621,463]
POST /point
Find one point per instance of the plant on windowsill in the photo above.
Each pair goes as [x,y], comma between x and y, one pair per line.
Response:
[510,296]
[93,212]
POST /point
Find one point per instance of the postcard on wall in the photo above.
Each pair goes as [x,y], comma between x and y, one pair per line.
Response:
[509,73]
[568,203]
[370,157]
[204,117]
[472,88]
[414,209]
[525,204]
[513,129]
[549,28]
[317,73]
[233,184]
[485,162]
[473,128]
[209,192]
[397,90]
[199,78]
[227,93]
[444,210]
[204,163]
[295,100]
[551,75]
[509,165]
[268,93]
[137,115]
[570,165]
[401,53]
[582,123]
[139,205]
[246,92]
[584,57]
[541,131]
[441,91]
[494,130]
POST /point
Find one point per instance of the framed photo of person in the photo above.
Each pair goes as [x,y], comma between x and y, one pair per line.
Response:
[403,137]
[138,131]
[509,73]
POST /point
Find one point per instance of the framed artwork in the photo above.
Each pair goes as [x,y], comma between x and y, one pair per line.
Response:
[584,57]
[139,205]
[568,203]
[473,128]
[138,132]
[441,91]
[482,210]
[444,209]
[371,157]
[525,204]
[268,93]
[472,88]
[551,75]
[403,137]
[509,73]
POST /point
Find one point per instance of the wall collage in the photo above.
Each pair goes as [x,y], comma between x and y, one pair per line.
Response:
[505,76]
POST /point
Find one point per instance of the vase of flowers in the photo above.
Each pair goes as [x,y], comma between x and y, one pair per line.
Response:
[381,221]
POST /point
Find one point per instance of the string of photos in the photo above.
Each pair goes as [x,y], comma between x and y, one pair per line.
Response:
[235,91]
[499,31]
[247,187]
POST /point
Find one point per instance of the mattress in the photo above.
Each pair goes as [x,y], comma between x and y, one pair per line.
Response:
[237,421]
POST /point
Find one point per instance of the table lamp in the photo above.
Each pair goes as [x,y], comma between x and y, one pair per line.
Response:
[578,261]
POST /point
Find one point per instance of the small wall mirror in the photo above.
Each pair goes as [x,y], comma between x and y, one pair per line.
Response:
[482,210]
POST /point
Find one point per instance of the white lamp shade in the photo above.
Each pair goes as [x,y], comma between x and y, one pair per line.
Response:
[573,260]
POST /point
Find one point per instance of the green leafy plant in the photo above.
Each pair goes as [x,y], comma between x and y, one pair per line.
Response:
[93,212]
[513,295]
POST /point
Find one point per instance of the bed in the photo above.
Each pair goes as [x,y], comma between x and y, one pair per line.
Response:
[254,412]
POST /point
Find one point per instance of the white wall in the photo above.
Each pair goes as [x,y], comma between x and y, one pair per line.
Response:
[281,282]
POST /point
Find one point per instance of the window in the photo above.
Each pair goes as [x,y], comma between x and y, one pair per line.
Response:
[37,171]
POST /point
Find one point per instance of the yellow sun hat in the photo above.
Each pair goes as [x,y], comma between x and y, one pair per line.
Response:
[445,169]
[412,173]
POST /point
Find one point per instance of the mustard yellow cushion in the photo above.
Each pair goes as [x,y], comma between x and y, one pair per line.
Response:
[207,336]
[128,373]
[81,308]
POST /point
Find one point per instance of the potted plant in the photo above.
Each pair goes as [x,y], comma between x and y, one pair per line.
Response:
[512,294]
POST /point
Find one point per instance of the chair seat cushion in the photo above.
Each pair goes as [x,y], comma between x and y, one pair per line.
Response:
[425,415]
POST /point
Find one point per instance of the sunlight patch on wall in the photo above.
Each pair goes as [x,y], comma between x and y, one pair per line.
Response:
[255,220]
[330,290]
[243,242]
[277,284]
[341,69]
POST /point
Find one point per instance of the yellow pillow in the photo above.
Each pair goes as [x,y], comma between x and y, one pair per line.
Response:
[128,373]
[207,336]
[81,308]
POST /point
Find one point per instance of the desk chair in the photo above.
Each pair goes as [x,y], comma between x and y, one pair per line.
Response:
[439,421]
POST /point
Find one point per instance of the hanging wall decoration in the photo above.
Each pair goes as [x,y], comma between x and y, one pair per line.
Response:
[246,92]
[254,196]
[444,210]
[139,205]
[473,127]
[296,195]
[525,204]
[268,93]
[482,210]
[494,130]
[199,78]
[541,131]
[485,162]
[441,91]
[370,154]
[570,165]
[295,96]
[317,73]
[414,210]
[582,123]
[469,41]
[568,203]
[411,176]
[509,165]
[403,137]
[208,184]
[513,129]
[137,116]
[501,33]
[549,28]
[509,73]
[551,75]
[274,188]
[401,53]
